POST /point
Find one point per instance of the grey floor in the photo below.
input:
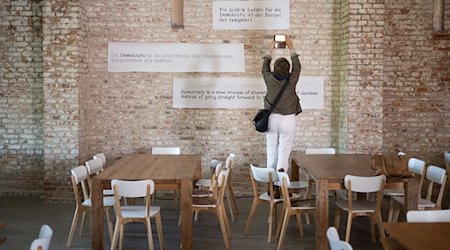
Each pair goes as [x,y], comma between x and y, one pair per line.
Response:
[24,216]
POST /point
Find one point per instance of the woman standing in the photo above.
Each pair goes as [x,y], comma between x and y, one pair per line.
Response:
[282,121]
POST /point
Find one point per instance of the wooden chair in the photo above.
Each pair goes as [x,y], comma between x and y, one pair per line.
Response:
[83,202]
[231,200]
[200,192]
[417,168]
[44,238]
[215,204]
[100,156]
[434,175]
[95,167]
[299,207]
[335,242]
[266,177]
[368,208]
[135,213]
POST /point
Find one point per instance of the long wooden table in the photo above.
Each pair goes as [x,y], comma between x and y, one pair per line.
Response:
[328,172]
[419,236]
[168,171]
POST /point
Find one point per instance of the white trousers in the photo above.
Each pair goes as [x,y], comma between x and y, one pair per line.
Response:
[279,140]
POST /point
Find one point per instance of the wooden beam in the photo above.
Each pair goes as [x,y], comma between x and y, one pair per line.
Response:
[438,15]
[177,14]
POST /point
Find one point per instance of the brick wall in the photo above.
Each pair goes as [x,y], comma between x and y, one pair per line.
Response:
[21,98]
[385,86]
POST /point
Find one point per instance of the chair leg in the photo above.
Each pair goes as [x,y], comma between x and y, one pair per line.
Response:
[250,216]
[227,223]
[109,223]
[230,206]
[74,226]
[391,210]
[300,224]
[372,227]
[349,227]
[233,201]
[280,223]
[270,221]
[122,235]
[115,235]
[159,228]
[223,227]
[283,229]
[149,234]
[337,218]
[83,221]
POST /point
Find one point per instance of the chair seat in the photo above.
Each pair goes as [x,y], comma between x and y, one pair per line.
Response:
[265,196]
[394,192]
[358,205]
[202,193]
[108,192]
[423,203]
[204,202]
[107,202]
[203,183]
[138,211]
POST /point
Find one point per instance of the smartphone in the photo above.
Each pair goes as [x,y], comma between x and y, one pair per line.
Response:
[280,41]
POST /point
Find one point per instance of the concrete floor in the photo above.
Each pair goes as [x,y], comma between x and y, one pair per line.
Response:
[24,217]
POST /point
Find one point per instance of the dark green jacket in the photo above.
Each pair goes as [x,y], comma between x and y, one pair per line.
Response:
[289,102]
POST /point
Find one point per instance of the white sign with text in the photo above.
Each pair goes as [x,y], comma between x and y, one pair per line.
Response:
[175,57]
[251,15]
[239,93]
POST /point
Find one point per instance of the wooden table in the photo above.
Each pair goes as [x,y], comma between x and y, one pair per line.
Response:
[168,171]
[419,236]
[328,172]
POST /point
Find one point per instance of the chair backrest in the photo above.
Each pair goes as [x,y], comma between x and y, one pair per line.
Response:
[364,184]
[320,151]
[44,238]
[439,176]
[335,242]
[447,160]
[229,163]
[132,189]
[100,156]
[166,151]
[266,175]
[94,166]
[80,178]
[220,186]
[428,216]
[215,176]
[418,168]
[285,182]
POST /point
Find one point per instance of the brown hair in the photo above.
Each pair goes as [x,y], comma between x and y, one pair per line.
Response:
[281,68]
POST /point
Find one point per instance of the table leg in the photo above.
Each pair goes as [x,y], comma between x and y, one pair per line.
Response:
[186,214]
[411,194]
[294,171]
[322,214]
[97,214]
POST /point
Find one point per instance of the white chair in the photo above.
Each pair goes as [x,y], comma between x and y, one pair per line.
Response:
[166,151]
[44,238]
[135,213]
[320,151]
[335,242]
[206,183]
[447,167]
[83,202]
[289,209]
[100,156]
[266,177]
[434,175]
[417,168]
[215,204]
[95,167]
[368,208]
[428,215]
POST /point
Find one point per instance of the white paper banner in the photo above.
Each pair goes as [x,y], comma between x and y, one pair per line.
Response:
[175,57]
[239,93]
[251,15]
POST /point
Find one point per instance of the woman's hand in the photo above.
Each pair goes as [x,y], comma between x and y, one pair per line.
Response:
[289,43]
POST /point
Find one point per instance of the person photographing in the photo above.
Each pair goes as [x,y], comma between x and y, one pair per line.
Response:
[282,121]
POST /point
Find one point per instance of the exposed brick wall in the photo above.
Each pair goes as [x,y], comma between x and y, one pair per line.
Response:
[386,85]
[21,98]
